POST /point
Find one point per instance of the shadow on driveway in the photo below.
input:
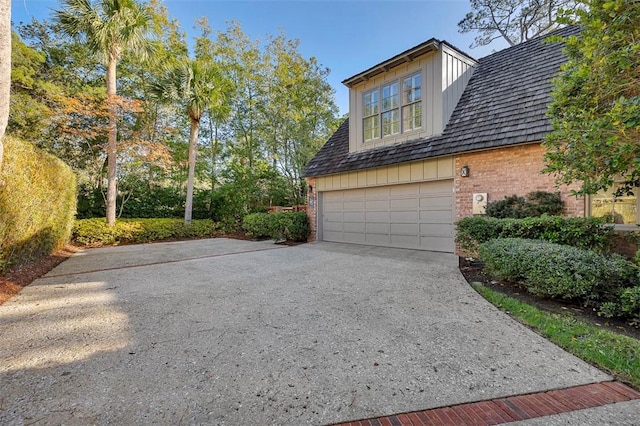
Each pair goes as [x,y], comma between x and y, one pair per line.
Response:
[236,332]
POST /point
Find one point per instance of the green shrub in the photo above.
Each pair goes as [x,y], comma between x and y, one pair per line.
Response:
[37,204]
[96,232]
[257,225]
[559,271]
[630,301]
[535,204]
[292,226]
[587,233]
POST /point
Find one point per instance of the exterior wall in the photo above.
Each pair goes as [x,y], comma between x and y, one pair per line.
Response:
[312,197]
[508,171]
[445,75]
[428,65]
[419,171]
[456,72]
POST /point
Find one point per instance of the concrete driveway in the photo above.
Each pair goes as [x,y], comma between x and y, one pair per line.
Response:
[236,332]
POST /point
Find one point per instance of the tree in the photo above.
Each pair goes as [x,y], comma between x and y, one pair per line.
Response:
[110,28]
[5,68]
[513,20]
[198,86]
[595,107]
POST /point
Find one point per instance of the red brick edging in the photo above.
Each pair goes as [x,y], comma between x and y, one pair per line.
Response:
[511,408]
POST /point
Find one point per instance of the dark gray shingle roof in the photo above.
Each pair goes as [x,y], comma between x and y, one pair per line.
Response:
[504,103]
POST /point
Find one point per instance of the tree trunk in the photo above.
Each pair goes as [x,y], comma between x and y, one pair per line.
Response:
[112,142]
[193,145]
[5,68]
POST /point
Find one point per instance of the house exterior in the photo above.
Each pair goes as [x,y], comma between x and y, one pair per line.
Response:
[432,135]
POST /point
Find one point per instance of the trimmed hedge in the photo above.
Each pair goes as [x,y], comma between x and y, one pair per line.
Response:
[96,232]
[559,271]
[535,204]
[37,204]
[292,226]
[586,233]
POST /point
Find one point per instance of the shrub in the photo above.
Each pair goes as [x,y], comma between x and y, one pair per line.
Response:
[535,204]
[587,233]
[256,225]
[292,226]
[559,271]
[96,232]
[37,204]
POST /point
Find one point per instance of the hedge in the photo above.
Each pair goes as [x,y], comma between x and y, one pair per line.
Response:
[96,232]
[37,204]
[292,226]
[560,271]
[535,204]
[586,233]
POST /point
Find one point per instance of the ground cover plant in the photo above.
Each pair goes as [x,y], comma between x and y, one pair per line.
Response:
[613,352]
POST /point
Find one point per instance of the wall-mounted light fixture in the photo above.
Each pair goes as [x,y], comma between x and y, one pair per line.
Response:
[464,171]
[310,189]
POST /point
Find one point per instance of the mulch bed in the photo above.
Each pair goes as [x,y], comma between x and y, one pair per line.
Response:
[15,280]
[472,271]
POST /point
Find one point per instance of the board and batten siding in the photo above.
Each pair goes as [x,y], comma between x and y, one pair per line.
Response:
[445,74]
[456,72]
[418,171]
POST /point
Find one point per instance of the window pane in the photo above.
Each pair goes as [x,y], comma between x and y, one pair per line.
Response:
[370,103]
[389,96]
[622,210]
[412,116]
[390,122]
[371,127]
[411,89]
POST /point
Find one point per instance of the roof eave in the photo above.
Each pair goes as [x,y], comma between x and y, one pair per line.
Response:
[404,57]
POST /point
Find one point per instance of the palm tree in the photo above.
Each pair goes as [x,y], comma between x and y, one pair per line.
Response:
[198,86]
[5,67]
[110,27]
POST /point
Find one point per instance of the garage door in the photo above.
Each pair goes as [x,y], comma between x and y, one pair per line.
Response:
[417,215]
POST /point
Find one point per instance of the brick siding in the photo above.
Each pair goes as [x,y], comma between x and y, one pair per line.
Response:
[312,205]
[508,171]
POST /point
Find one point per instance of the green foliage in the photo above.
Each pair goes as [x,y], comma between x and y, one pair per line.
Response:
[595,107]
[535,204]
[559,271]
[96,231]
[257,225]
[611,351]
[291,226]
[587,233]
[37,203]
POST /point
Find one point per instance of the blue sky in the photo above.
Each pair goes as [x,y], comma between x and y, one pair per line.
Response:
[346,36]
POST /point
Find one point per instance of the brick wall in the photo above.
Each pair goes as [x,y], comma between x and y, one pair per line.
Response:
[504,172]
[312,205]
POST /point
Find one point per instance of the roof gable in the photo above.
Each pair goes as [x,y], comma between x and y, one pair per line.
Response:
[504,104]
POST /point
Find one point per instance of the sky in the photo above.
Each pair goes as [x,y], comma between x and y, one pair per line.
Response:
[347,36]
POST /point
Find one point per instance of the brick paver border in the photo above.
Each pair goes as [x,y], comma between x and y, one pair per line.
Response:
[511,408]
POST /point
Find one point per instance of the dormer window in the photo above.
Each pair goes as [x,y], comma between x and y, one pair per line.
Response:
[387,113]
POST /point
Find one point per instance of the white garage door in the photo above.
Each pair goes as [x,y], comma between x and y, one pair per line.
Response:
[416,215]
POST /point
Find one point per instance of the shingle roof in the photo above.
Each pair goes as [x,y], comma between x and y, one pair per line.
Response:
[504,104]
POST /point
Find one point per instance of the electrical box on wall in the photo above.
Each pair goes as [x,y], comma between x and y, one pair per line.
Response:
[479,203]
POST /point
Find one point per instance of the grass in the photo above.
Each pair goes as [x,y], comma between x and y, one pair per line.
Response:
[610,351]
